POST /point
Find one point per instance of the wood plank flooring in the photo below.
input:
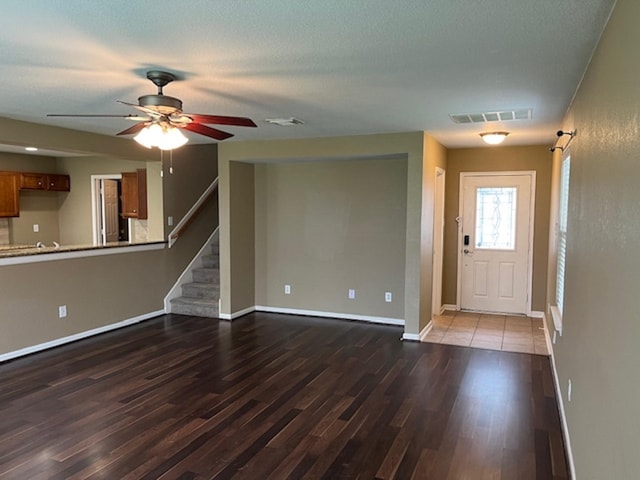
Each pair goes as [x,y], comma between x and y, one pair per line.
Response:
[276,397]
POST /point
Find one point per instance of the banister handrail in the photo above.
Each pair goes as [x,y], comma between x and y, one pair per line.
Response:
[184,222]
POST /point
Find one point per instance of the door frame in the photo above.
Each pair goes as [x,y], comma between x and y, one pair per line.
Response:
[532,216]
[438,241]
[96,206]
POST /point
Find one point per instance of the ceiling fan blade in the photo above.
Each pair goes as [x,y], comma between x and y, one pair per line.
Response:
[221,120]
[136,118]
[207,131]
[134,129]
[146,110]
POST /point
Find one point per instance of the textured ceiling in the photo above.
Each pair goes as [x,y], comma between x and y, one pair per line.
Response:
[343,67]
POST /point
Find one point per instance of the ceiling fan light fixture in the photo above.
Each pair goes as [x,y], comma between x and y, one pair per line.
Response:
[494,138]
[163,137]
[171,139]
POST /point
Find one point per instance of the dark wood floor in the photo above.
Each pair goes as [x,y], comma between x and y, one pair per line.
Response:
[275,396]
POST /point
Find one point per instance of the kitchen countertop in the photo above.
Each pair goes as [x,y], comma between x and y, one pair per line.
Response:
[11,251]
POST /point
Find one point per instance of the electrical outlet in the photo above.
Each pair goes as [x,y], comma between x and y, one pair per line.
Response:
[170,221]
[62,311]
[569,391]
[36,228]
[388,297]
[287,289]
[352,294]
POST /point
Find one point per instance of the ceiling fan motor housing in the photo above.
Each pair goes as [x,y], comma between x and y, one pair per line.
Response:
[161,103]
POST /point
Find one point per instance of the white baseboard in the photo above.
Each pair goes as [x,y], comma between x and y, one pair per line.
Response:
[343,316]
[536,314]
[560,400]
[412,337]
[239,313]
[78,336]
[448,306]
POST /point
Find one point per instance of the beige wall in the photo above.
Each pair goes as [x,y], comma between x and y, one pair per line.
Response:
[102,290]
[325,227]
[536,158]
[409,145]
[76,226]
[36,207]
[598,350]
[435,155]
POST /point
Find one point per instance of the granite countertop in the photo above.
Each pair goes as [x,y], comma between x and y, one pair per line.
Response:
[9,251]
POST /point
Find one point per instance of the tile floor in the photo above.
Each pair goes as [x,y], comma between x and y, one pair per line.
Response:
[494,332]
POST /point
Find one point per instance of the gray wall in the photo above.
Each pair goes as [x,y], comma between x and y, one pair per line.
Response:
[236,276]
[598,350]
[326,227]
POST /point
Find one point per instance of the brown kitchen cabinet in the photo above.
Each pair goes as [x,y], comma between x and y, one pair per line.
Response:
[134,194]
[45,181]
[58,182]
[9,194]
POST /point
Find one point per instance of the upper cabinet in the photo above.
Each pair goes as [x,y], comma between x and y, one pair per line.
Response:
[45,181]
[134,194]
[9,194]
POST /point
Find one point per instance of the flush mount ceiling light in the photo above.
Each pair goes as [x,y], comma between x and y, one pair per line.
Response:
[494,138]
[164,136]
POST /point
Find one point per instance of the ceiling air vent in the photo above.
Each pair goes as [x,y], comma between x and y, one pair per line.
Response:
[284,122]
[502,116]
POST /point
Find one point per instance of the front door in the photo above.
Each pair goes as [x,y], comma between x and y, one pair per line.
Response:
[496,240]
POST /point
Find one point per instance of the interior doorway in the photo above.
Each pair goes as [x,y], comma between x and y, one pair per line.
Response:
[495,241]
[438,241]
[108,224]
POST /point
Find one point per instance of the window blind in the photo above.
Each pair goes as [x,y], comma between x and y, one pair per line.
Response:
[562,231]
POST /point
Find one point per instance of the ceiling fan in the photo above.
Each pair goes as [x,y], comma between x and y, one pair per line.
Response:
[164,115]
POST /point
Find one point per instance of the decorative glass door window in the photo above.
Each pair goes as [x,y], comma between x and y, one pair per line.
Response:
[496,218]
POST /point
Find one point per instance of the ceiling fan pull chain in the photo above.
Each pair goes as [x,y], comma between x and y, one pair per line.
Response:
[171,162]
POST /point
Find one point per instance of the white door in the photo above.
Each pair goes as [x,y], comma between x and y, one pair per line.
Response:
[110,210]
[495,241]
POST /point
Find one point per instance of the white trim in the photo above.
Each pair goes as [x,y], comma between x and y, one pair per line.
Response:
[95,179]
[344,316]
[536,314]
[78,336]
[532,215]
[80,252]
[425,331]
[450,307]
[560,402]
[412,337]
[556,316]
[191,211]
[176,290]
[239,313]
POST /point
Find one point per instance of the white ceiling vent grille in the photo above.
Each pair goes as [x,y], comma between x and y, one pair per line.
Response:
[503,116]
[284,122]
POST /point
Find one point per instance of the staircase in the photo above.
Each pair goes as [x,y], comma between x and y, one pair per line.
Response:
[200,297]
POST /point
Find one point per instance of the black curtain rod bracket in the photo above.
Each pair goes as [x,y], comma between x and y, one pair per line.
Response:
[560,134]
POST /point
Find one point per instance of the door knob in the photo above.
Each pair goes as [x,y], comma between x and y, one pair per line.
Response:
[467,251]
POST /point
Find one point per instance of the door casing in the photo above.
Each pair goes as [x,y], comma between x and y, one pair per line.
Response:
[529,279]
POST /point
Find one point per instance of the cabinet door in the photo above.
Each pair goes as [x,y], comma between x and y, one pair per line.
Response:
[9,195]
[134,194]
[58,183]
[33,181]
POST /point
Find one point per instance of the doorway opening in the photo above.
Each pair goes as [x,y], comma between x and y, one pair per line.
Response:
[109,225]
[495,241]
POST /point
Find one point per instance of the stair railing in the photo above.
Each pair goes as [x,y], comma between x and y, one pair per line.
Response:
[184,222]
